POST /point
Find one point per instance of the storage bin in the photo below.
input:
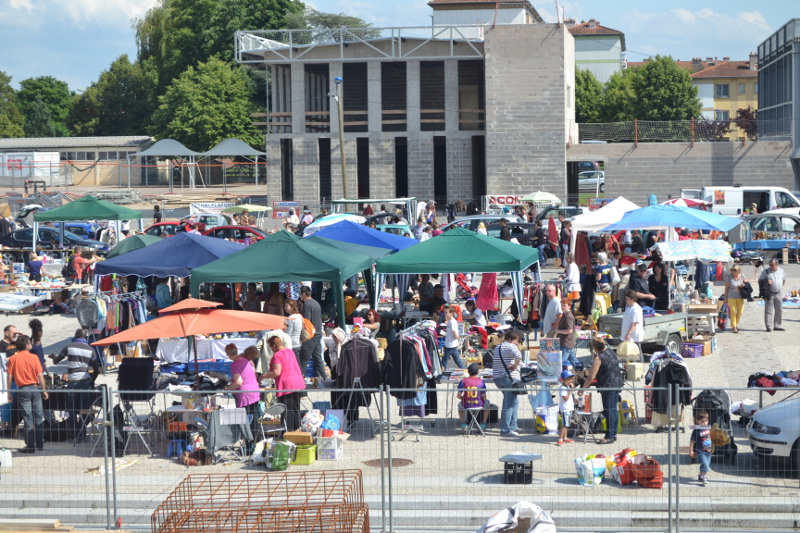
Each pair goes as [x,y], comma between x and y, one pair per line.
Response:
[221,366]
[305,454]
[691,350]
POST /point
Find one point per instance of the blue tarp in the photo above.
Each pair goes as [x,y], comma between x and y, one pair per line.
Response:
[673,216]
[351,232]
[174,256]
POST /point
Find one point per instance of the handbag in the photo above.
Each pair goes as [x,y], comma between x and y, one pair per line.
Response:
[517,385]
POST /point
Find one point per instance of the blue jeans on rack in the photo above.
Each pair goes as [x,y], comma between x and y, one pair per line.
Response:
[508,413]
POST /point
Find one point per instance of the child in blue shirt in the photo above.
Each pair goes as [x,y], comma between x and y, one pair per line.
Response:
[700,445]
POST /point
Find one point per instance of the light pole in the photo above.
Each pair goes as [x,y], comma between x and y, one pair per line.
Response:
[339,106]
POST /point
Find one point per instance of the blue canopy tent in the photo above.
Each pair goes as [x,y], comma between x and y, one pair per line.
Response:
[351,232]
[174,256]
[673,216]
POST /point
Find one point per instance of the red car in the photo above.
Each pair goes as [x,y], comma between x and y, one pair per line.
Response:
[241,234]
[165,229]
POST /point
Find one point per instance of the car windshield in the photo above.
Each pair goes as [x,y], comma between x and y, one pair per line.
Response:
[785,200]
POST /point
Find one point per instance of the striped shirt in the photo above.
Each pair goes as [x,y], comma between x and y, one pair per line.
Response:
[505,353]
[79,357]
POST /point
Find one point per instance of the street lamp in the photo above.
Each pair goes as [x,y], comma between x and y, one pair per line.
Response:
[338,97]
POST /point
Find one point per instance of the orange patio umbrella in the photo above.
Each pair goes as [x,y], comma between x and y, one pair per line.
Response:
[192,317]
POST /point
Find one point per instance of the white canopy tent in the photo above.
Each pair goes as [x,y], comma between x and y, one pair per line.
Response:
[601,218]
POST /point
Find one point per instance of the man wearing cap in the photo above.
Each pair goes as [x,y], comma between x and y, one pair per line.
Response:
[638,284]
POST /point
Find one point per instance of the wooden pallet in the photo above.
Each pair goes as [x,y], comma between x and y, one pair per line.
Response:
[29,525]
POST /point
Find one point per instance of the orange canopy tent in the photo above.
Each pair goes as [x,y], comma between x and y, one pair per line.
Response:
[191,317]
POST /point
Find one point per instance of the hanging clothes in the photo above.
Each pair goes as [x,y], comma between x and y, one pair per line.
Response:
[670,373]
[358,359]
[487,294]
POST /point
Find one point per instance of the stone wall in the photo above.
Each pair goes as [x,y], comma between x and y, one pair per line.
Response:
[664,169]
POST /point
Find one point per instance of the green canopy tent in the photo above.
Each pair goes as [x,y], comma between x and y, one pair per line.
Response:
[134,242]
[85,208]
[284,256]
[461,250]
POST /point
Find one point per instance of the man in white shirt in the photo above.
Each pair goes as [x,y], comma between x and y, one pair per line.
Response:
[474,314]
[632,321]
[771,282]
[452,340]
[552,313]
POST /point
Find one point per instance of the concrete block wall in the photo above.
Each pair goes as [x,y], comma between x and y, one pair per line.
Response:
[381,167]
[459,167]
[526,107]
[664,169]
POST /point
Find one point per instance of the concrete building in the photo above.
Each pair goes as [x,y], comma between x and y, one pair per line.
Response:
[598,49]
[438,112]
[779,79]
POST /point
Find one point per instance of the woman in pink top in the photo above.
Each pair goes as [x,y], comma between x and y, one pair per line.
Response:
[283,368]
[244,379]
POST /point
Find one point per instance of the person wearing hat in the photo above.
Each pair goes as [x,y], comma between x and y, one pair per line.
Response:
[639,285]
[472,393]
[565,404]
[753,209]
[308,218]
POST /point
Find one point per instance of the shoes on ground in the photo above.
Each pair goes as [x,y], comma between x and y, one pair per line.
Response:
[510,434]
[779,329]
[483,427]
[769,330]
[463,427]
[560,443]
[607,441]
[568,440]
[26,450]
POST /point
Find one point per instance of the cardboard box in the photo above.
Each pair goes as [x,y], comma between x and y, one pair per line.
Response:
[305,454]
[709,343]
[329,448]
[703,308]
[299,437]
[635,371]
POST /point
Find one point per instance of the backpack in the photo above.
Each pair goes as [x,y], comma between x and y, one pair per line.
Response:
[68,270]
[308,331]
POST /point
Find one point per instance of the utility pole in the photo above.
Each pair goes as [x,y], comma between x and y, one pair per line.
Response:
[339,105]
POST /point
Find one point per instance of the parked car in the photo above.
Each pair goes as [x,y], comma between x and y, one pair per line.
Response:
[48,237]
[165,229]
[588,165]
[471,222]
[397,229]
[772,222]
[555,210]
[522,231]
[208,221]
[774,431]
[86,230]
[241,234]
[587,181]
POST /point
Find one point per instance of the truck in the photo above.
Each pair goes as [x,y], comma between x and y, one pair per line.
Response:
[735,200]
[662,332]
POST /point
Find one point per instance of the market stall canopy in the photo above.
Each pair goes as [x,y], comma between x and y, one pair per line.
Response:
[88,208]
[672,216]
[704,250]
[174,256]
[348,231]
[541,197]
[460,250]
[284,256]
[372,252]
[687,202]
[168,148]
[134,242]
[329,220]
[233,148]
[608,214]
[189,303]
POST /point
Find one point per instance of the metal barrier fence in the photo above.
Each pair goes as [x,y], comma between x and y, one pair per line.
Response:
[420,473]
[637,131]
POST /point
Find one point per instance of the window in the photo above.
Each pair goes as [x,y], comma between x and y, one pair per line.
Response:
[788,224]
[741,88]
[785,200]
[756,88]
[721,90]
[722,115]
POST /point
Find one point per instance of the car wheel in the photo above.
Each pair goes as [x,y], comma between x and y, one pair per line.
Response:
[602,187]
[673,344]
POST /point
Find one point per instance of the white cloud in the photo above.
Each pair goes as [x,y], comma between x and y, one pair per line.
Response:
[78,12]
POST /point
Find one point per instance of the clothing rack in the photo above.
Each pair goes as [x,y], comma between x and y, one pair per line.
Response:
[404,427]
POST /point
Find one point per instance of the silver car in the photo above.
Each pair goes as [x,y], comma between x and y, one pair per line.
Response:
[774,431]
[589,180]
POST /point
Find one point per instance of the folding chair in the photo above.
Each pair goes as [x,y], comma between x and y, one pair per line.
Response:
[137,385]
[583,424]
[273,421]
[475,415]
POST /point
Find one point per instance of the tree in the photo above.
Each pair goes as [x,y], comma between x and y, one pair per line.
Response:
[11,120]
[747,121]
[206,105]
[176,34]
[39,122]
[321,23]
[588,95]
[664,91]
[118,103]
[53,93]
[617,103]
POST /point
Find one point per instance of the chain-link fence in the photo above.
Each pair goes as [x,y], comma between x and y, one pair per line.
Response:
[637,131]
[427,464]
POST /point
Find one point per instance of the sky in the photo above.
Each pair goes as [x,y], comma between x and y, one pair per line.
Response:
[76,40]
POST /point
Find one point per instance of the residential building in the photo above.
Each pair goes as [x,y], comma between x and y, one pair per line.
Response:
[779,76]
[437,112]
[726,87]
[598,49]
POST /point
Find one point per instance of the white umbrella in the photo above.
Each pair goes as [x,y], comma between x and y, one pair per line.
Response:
[686,202]
[541,197]
[327,220]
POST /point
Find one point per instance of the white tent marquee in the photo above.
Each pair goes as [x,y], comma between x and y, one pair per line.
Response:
[597,220]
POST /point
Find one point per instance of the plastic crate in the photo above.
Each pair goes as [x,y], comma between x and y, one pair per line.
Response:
[305,454]
[174,368]
[330,454]
[221,366]
[691,350]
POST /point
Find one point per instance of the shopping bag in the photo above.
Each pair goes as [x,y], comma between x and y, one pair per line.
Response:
[622,469]
[590,470]
[513,518]
[722,316]
[628,352]
[542,398]
[647,472]
[547,419]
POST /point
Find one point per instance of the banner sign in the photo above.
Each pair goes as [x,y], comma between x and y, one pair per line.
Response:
[281,209]
[597,203]
[208,208]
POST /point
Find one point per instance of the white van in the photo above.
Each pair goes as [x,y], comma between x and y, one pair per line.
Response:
[735,200]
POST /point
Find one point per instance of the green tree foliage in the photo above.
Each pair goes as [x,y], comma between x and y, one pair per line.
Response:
[11,120]
[206,105]
[319,24]
[39,122]
[118,103]
[54,94]
[664,91]
[176,34]
[588,95]
[616,104]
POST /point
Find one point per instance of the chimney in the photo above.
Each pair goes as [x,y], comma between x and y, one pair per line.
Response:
[726,58]
[697,64]
[570,23]
[753,61]
[593,23]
